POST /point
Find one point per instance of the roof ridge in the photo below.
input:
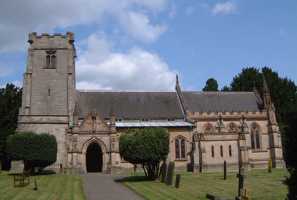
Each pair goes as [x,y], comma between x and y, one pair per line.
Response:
[124,91]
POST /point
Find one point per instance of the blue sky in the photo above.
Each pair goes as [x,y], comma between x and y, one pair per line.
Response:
[142,44]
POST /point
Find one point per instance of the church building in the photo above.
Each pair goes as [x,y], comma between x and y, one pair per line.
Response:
[205,128]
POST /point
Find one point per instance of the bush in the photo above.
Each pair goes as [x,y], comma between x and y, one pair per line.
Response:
[147,147]
[36,150]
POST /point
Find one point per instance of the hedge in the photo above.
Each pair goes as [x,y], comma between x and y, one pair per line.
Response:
[36,150]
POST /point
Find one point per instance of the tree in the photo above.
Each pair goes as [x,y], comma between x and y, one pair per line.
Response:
[36,150]
[290,141]
[211,85]
[284,95]
[225,89]
[10,102]
[147,147]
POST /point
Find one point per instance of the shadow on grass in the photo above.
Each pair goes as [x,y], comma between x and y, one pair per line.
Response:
[41,173]
[132,179]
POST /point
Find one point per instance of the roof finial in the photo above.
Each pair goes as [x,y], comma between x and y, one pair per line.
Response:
[177,86]
[265,85]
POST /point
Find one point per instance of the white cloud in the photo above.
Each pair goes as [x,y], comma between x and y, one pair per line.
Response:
[17,18]
[135,69]
[224,8]
[139,26]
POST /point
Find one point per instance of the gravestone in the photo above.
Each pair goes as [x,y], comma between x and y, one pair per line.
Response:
[177,180]
[170,174]
[225,170]
[163,172]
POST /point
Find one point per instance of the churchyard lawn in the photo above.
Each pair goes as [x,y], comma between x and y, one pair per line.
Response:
[50,187]
[261,185]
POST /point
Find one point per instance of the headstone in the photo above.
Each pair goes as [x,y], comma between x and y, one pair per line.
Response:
[269,166]
[177,180]
[225,170]
[163,172]
[170,174]
[35,184]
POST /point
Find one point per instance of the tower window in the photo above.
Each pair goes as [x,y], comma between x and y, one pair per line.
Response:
[50,59]
[230,151]
[221,151]
[180,148]
[49,92]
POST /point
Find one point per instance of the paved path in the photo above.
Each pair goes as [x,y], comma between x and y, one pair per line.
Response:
[102,187]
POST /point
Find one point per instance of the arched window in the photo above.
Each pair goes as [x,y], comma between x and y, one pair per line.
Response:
[221,151]
[255,137]
[212,151]
[50,59]
[230,151]
[180,148]
[53,62]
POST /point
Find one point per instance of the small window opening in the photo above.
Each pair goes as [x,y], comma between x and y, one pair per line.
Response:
[212,152]
[221,151]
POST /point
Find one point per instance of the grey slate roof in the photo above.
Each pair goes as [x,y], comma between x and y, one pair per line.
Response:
[221,101]
[131,105]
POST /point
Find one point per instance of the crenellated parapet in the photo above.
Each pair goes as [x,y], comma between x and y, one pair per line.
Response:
[55,41]
[228,116]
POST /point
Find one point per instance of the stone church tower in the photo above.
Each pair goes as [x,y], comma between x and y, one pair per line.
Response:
[49,87]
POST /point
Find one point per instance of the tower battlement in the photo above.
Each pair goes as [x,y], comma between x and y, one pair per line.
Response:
[56,40]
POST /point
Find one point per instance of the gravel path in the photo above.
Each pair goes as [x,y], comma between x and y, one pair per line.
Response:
[102,187]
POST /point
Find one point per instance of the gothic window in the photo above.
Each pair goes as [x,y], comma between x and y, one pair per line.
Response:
[212,151]
[180,148]
[230,151]
[255,137]
[221,151]
[50,59]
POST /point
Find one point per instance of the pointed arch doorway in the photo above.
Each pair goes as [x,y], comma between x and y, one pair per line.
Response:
[94,158]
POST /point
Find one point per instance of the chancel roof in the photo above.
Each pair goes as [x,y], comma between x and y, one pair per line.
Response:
[221,101]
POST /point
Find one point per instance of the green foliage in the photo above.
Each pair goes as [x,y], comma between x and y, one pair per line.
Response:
[148,147]
[211,85]
[36,150]
[10,101]
[225,89]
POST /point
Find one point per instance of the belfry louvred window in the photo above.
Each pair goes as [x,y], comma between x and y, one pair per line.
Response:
[180,148]
[51,59]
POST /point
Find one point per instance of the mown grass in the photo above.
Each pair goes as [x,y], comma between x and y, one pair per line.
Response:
[261,185]
[50,187]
